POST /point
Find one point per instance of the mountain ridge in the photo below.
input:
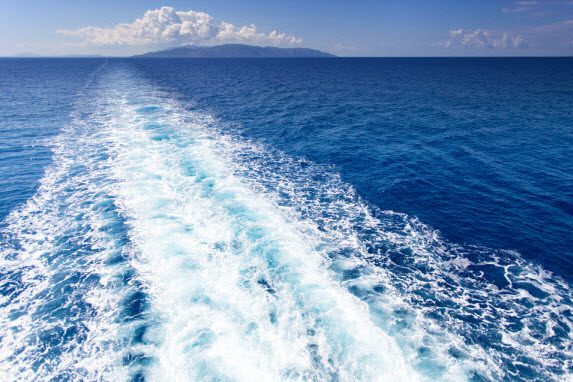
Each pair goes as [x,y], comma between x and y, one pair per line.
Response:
[234,51]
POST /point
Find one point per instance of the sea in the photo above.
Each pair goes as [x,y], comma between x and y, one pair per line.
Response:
[331,219]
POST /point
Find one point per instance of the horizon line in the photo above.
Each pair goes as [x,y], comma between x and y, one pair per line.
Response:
[95,56]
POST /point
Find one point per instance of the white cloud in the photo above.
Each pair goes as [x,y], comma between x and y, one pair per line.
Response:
[537,7]
[521,6]
[562,26]
[166,26]
[478,38]
[560,32]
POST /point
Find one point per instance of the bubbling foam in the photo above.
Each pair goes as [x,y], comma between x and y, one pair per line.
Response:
[162,246]
[241,293]
[62,259]
[455,311]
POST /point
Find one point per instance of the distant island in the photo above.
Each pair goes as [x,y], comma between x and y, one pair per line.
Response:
[234,51]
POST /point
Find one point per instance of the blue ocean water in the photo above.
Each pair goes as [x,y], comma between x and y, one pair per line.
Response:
[286,219]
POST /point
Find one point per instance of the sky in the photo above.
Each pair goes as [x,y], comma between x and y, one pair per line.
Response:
[346,28]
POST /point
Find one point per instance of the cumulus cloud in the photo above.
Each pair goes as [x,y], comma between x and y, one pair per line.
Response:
[166,26]
[478,38]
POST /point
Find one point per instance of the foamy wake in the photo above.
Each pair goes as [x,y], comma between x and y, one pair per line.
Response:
[159,247]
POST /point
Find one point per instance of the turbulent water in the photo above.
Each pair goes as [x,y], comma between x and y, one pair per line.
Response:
[152,238]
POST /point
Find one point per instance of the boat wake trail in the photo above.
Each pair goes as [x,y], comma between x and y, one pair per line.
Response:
[158,247]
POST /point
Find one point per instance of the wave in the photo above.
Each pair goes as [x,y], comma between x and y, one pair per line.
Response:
[160,247]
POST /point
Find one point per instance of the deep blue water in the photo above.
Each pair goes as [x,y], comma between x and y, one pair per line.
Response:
[481,149]
[286,219]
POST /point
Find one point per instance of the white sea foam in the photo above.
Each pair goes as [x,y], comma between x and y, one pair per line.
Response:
[60,259]
[242,294]
[59,319]
[247,264]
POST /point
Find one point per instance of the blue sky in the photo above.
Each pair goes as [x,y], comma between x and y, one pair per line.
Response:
[348,28]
